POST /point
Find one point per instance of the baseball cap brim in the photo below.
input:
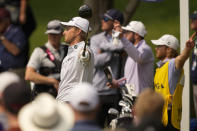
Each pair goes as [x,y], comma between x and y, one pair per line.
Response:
[126,28]
[157,42]
[53,31]
[70,23]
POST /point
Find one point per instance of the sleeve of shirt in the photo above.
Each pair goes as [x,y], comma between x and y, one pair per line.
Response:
[174,75]
[100,59]
[111,47]
[19,39]
[35,59]
[140,57]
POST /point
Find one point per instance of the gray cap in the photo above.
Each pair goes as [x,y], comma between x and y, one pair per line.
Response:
[54,27]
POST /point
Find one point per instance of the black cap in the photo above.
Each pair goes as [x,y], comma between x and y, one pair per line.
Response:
[194,15]
[114,14]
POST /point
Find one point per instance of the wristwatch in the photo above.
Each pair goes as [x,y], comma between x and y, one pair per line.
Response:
[2,38]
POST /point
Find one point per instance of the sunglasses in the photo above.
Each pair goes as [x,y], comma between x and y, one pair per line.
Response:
[106,19]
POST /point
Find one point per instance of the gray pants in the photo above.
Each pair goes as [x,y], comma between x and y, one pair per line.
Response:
[195,98]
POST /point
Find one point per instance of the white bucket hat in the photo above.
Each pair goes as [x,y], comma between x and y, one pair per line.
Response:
[137,27]
[78,22]
[167,40]
[46,114]
[84,92]
[54,27]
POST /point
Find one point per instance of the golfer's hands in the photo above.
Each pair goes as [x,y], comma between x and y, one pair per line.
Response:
[190,43]
[114,84]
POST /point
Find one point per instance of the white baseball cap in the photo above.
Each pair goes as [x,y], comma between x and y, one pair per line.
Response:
[79,22]
[7,78]
[84,93]
[168,40]
[46,114]
[137,27]
[54,27]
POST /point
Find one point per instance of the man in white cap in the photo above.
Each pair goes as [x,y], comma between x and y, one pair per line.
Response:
[168,79]
[77,66]
[139,67]
[85,107]
[43,68]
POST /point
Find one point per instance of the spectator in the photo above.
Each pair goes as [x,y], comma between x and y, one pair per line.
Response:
[106,53]
[22,15]
[148,111]
[15,96]
[193,26]
[169,77]
[6,78]
[46,114]
[85,107]
[45,63]
[140,63]
[12,43]
[77,66]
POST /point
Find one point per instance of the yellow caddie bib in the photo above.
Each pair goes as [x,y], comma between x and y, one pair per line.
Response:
[161,86]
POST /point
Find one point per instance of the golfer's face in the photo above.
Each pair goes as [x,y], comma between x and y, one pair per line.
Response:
[69,34]
[161,51]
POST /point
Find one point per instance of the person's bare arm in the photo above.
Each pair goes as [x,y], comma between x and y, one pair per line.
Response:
[11,47]
[32,75]
[180,60]
[22,15]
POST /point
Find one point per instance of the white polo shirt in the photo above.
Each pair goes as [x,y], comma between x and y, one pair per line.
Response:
[74,71]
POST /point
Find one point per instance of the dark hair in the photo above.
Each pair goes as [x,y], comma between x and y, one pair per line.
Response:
[15,96]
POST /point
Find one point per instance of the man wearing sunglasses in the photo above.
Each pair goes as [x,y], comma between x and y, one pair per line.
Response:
[106,54]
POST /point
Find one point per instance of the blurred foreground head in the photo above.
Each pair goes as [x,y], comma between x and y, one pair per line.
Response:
[149,103]
[14,92]
[84,100]
[46,114]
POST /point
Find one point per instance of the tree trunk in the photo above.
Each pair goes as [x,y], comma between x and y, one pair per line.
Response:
[99,7]
[130,9]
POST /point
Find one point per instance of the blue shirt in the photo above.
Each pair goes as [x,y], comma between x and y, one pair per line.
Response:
[85,125]
[7,60]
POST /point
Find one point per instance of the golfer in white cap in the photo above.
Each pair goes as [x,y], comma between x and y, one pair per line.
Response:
[169,77]
[76,66]
[139,66]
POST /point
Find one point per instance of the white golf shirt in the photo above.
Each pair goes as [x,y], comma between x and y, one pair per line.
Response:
[74,71]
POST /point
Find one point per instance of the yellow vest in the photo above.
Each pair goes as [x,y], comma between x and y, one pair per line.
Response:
[161,86]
